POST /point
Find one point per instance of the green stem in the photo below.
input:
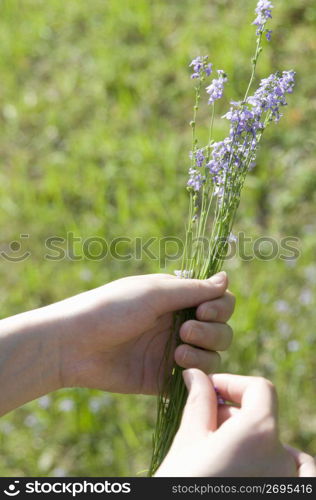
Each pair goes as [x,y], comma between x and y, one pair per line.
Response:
[254,64]
[173,394]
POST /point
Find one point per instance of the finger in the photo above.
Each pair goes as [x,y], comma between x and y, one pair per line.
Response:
[191,357]
[225,412]
[255,395]
[219,310]
[200,412]
[178,293]
[210,336]
[306,466]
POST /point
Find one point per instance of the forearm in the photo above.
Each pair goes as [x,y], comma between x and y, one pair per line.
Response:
[42,350]
[29,358]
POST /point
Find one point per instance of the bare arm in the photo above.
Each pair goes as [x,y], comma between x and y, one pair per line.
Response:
[112,338]
[29,359]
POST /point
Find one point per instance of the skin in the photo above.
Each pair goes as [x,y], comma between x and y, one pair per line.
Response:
[212,436]
[112,338]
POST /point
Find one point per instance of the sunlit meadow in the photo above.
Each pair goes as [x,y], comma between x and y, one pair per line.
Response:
[95,102]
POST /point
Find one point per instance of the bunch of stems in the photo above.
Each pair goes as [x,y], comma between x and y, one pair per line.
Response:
[210,220]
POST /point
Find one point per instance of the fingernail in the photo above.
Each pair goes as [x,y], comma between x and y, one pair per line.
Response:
[219,278]
[187,377]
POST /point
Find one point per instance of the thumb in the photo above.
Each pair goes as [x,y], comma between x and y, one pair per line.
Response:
[200,412]
[178,293]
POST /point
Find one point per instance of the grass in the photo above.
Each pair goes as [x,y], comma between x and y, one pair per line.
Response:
[94,110]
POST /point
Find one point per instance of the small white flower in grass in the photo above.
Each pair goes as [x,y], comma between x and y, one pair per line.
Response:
[99,402]
[282,306]
[183,274]
[306,296]
[86,274]
[31,421]
[59,472]
[44,402]
[285,330]
[66,405]
[293,346]
[6,427]
[232,238]
[291,263]
[310,273]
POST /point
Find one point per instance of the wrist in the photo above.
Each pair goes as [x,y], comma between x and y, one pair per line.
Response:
[79,330]
[29,359]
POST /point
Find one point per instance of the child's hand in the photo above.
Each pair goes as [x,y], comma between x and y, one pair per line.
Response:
[229,440]
[114,337]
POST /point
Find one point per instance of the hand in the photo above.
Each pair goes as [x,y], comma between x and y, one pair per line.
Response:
[115,336]
[229,440]
[112,338]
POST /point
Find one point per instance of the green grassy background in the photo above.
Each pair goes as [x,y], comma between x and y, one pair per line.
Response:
[95,101]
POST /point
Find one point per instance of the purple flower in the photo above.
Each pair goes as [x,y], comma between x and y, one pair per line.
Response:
[228,156]
[247,120]
[243,119]
[216,89]
[196,179]
[220,399]
[268,35]
[270,95]
[200,67]
[198,156]
[219,163]
[263,11]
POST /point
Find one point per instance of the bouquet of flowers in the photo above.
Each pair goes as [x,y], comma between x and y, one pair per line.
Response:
[216,177]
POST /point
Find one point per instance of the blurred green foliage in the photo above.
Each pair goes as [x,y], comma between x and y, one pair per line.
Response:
[95,101]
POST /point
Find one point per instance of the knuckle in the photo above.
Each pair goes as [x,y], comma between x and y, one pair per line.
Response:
[228,336]
[266,384]
[151,287]
[230,301]
[195,397]
[266,428]
[199,284]
[222,336]
[226,306]
[189,357]
[188,328]
[203,311]
[180,356]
